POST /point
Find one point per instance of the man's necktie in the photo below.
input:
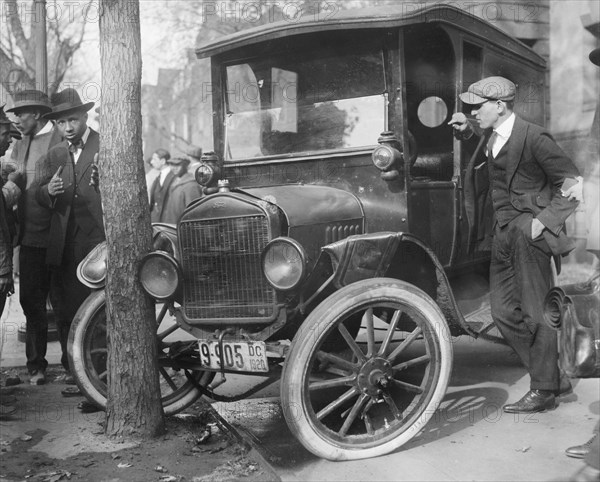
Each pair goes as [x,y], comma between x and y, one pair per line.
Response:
[74,146]
[490,143]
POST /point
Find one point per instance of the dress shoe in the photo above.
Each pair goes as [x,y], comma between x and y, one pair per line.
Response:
[534,401]
[580,451]
[12,380]
[88,407]
[7,410]
[37,378]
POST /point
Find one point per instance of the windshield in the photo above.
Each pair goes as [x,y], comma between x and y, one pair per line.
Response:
[289,104]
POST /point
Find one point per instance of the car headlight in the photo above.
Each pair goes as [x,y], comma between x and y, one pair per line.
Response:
[284,263]
[92,270]
[160,275]
[384,157]
[204,174]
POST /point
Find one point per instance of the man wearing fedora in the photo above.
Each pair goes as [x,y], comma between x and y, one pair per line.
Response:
[184,189]
[67,189]
[526,171]
[38,135]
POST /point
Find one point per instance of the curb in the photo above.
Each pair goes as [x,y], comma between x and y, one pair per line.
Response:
[247,440]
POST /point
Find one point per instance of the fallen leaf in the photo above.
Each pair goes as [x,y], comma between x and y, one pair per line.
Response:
[168,478]
[124,465]
[160,468]
[204,436]
[26,438]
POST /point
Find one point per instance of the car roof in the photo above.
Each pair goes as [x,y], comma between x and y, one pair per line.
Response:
[399,15]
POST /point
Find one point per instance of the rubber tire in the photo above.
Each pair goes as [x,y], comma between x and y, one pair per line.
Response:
[308,338]
[77,360]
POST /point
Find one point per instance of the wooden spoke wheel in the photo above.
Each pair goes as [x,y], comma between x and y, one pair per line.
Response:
[88,355]
[374,391]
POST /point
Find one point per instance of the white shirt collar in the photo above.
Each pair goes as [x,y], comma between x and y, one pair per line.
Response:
[164,172]
[84,137]
[505,129]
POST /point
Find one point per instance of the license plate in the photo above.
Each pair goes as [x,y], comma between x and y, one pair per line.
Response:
[242,356]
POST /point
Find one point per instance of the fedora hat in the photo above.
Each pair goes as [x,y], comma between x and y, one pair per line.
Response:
[67,102]
[595,56]
[30,98]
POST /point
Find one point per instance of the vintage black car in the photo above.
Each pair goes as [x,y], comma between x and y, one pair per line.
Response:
[333,249]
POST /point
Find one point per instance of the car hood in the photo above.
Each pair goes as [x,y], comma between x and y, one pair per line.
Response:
[305,205]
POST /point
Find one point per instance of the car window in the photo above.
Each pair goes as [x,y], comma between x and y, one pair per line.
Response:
[324,101]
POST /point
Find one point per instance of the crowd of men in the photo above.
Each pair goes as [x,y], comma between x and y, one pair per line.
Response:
[51,209]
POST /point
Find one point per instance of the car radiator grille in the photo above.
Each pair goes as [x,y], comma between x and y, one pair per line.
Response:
[222,271]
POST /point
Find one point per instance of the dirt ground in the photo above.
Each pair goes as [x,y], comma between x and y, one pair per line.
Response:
[48,439]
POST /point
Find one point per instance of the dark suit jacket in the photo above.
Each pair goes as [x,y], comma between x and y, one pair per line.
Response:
[536,169]
[158,207]
[72,175]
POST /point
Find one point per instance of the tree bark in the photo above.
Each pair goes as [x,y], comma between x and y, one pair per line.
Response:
[134,407]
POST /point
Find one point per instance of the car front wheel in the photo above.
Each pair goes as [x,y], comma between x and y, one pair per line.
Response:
[367,370]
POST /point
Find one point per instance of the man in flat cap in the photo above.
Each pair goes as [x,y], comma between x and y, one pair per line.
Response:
[38,135]
[527,173]
[183,190]
[67,187]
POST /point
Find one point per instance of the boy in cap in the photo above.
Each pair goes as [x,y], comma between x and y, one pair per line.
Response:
[526,172]
[38,136]
[67,187]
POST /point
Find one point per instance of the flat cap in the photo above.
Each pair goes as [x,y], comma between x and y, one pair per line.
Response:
[30,98]
[490,88]
[178,161]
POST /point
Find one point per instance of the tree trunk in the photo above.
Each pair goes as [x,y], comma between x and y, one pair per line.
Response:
[134,408]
